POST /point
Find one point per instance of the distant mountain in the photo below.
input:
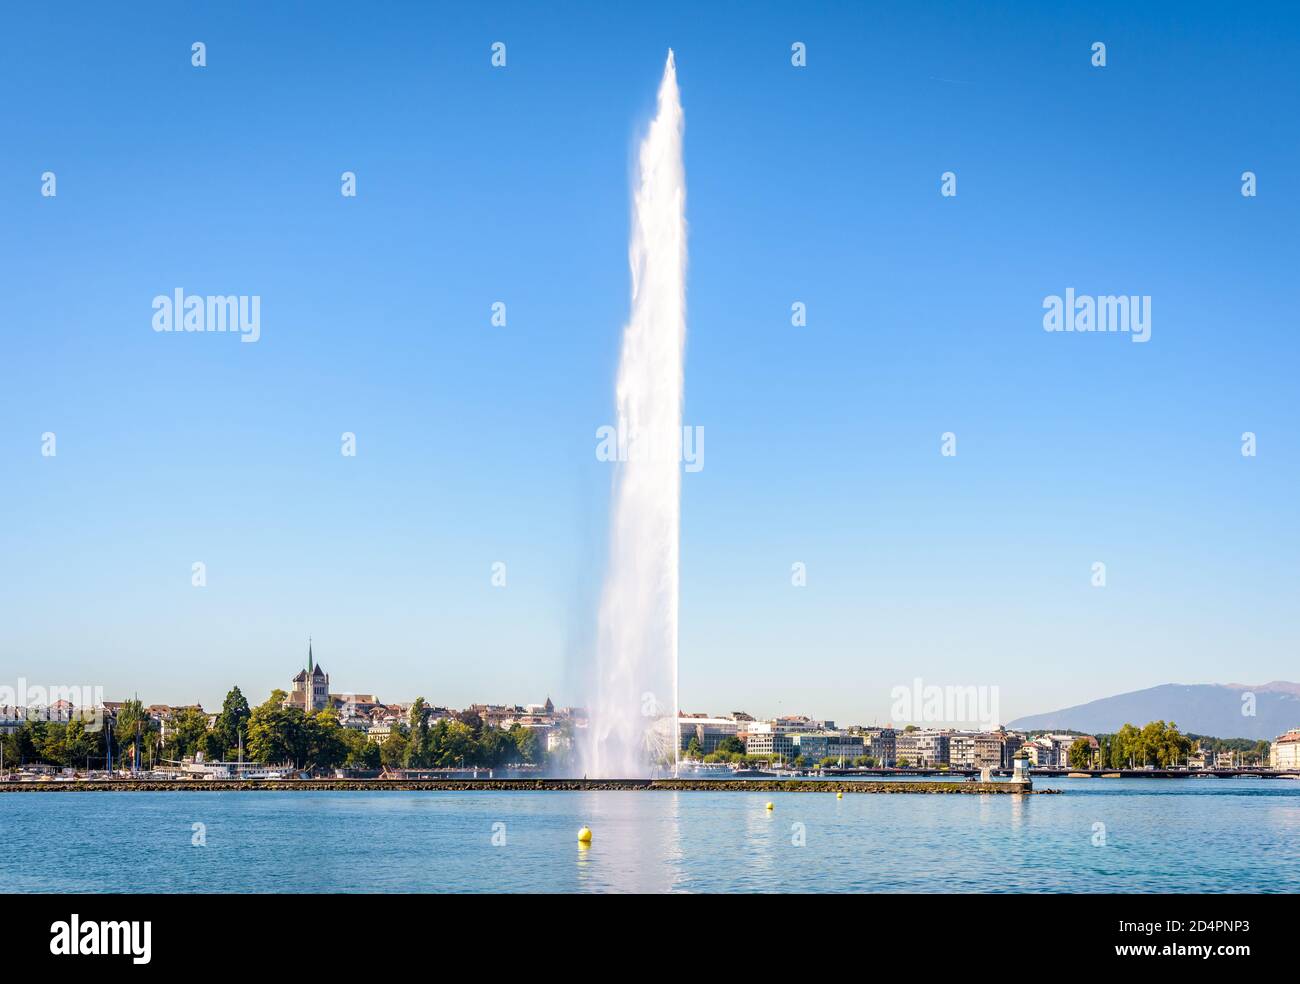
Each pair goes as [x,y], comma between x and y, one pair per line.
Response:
[1205,709]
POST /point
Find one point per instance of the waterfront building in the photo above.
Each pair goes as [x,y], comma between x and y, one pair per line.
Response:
[975,751]
[923,749]
[813,746]
[1011,744]
[961,751]
[61,711]
[557,741]
[907,748]
[1285,751]
[933,748]
[846,747]
[1041,752]
[1061,747]
[355,711]
[495,715]
[11,719]
[707,732]
[800,722]
[771,744]
[881,745]
[351,718]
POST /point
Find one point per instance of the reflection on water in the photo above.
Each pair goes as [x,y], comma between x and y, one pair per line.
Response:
[1160,835]
[1018,809]
[635,845]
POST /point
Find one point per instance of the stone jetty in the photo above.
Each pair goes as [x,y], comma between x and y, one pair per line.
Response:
[519,785]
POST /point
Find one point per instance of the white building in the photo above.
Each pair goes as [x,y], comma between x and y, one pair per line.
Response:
[708,732]
[1285,751]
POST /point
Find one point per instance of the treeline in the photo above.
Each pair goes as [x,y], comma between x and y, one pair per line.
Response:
[1164,746]
[269,733]
[91,742]
[1247,748]
[461,740]
[1155,743]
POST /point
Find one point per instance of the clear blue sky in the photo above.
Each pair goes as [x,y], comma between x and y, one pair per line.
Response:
[476,444]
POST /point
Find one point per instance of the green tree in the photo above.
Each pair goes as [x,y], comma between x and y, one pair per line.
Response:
[52,749]
[212,745]
[418,745]
[1125,748]
[693,749]
[132,722]
[233,720]
[1080,754]
[472,721]
[456,745]
[277,734]
[528,746]
[326,746]
[27,743]
[495,748]
[393,751]
[362,752]
[185,731]
[79,745]
[731,745]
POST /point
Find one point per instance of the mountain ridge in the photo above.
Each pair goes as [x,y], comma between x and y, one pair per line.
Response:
[1219,710]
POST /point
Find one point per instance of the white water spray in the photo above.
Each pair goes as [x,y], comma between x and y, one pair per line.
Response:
[633,726]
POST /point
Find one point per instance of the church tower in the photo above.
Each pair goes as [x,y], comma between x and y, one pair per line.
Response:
[311,687]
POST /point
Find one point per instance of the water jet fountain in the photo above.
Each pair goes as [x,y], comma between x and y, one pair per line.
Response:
[633,711]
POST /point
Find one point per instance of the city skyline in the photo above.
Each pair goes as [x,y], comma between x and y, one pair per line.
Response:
[917,703]
[476,443]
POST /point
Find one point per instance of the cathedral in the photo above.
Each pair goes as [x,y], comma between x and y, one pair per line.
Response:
[311,687]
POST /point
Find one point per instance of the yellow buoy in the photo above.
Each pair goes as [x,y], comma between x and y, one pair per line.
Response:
[770,806]
[839,796]
[584,835]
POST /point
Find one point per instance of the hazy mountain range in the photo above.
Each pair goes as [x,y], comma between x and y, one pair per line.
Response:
[1215,709]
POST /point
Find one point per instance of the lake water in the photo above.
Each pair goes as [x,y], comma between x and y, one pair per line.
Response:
[1208,835]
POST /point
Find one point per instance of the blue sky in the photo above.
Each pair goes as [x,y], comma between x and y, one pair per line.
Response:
[476,443]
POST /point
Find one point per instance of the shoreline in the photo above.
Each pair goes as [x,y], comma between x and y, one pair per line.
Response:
[519,785]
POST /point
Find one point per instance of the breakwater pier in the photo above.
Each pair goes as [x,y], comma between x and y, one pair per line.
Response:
[858,786]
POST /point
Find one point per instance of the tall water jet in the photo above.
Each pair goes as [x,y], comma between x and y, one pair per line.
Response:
[633,713]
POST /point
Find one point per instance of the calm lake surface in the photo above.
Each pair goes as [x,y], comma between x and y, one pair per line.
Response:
[1181,835]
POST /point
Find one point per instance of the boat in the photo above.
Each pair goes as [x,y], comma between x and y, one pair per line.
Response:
[704,770]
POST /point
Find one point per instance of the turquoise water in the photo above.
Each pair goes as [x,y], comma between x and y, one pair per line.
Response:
[1160,835]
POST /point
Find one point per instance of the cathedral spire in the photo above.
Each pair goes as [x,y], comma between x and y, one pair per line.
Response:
[309,664]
